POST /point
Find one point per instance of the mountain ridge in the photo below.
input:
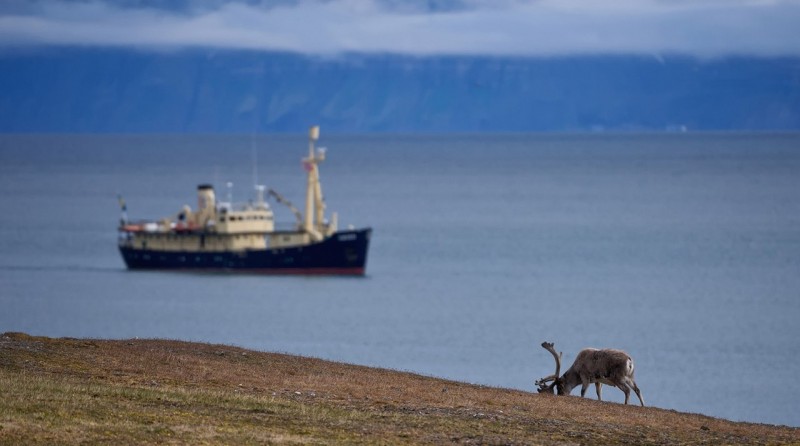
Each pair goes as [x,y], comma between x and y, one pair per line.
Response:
[105,90]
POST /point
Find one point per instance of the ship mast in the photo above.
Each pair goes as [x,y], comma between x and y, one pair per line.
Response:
[314,205]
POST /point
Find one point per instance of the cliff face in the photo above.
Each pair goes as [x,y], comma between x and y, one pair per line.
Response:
[127,91]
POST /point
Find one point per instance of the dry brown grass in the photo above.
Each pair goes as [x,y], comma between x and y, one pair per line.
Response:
[73,391]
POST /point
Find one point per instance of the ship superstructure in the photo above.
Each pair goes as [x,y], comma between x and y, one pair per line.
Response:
[224,236]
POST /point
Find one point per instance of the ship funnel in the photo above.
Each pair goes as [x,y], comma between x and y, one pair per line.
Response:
[205,197]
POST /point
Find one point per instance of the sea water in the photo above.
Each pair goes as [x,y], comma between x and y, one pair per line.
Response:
[682,249]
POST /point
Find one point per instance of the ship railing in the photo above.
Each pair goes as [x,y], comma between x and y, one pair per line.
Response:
[138,226]
[225,206]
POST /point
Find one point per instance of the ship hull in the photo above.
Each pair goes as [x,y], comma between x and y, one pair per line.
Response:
[343,253]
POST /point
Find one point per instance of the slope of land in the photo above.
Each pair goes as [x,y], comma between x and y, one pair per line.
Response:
[74,391]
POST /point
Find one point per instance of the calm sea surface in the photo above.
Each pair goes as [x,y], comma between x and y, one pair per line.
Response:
[682,249]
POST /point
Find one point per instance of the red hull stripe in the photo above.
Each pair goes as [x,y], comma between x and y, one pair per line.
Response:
[359,271]
[303,271]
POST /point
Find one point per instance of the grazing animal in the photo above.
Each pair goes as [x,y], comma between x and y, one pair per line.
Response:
[607,366]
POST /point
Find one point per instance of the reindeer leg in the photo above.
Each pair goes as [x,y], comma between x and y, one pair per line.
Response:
[626,390]
[638,393]
[630,383]
[584,386]
[597,387]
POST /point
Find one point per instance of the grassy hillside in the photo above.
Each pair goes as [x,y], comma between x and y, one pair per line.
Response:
[73,391]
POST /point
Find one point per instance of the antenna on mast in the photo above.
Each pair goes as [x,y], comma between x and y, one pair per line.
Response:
[254,156]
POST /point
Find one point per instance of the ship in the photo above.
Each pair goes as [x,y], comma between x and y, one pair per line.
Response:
[228,237]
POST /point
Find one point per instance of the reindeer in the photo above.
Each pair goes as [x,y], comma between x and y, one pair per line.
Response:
[608,366]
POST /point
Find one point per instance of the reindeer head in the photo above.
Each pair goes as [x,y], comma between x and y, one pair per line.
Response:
[554,380]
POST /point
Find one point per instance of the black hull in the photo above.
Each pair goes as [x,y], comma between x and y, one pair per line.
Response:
[343,253]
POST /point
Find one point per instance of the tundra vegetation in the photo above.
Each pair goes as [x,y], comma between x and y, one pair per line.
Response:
[78,391]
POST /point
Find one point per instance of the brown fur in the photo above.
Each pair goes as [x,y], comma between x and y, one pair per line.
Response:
[608,366]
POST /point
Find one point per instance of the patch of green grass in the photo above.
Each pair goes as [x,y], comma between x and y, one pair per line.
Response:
[47,409]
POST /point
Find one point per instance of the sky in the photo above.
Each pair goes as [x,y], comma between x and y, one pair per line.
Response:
[702,28]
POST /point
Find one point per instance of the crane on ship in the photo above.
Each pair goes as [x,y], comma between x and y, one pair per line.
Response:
[280,199]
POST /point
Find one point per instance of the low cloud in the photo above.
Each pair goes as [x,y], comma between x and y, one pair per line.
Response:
[705,28]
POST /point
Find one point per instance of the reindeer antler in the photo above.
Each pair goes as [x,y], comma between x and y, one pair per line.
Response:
[542,383]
